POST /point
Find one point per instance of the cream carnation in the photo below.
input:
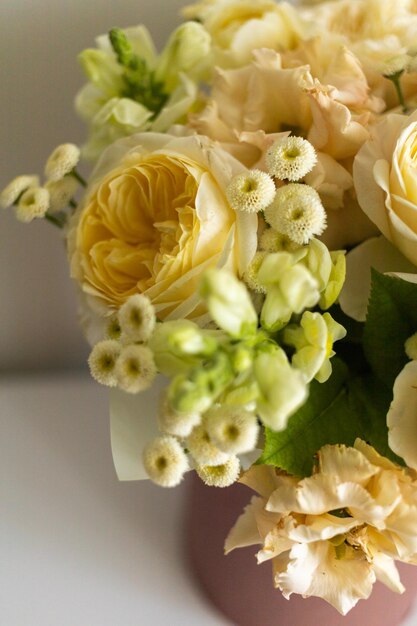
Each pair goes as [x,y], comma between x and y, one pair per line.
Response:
[155,217]
[333,534]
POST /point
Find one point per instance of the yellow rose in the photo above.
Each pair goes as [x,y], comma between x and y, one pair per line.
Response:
[238,27]
[154,218]
[385,177]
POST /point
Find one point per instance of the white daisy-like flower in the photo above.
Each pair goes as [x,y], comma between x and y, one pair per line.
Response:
[11,193]
[137,318]
[251,191]
[273,241]
[232,429]
[135,368]
[250,276]
[165,461]
[34,203]
[61,192]
[220,475]
[62,161]
[410,347]
[297,212]
[202,448]
[174,423]
[102,362]
[291,158]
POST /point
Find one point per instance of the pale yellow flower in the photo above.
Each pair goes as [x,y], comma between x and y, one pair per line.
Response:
[385,177]
[402,415]
[333,534]
[155,217]
[237,27]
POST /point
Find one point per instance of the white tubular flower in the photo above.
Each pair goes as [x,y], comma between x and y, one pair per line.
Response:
[251,275]
[102,362]
[202,449]
[61,192]
[33,204]
[135,368]
[174,423]
[232,429]
[291,158]
[165,461]
[410,347]
[251,191]
[297,212]
[137,318]
[273,241]
[62,161]
[11,193]
[113,330]
[220,475]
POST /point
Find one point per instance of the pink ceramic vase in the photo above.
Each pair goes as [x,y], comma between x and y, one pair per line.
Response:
[243,591]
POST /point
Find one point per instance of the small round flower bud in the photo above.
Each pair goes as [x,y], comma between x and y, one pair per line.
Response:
[165,461]
[273,241]
[34,203]
[174,423]
[137,318]
[113,330]
[102,362]
[251,191]
[61,192]
[250,276]
[297,212]
[220,475]
[135,368]
[232,429]
[202,448]
[291,158]
[15,188]
[411,347]
[62,161]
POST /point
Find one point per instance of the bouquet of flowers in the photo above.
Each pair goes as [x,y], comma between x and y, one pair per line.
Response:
[247,241]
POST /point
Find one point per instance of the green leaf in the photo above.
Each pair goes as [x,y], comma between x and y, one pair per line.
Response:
[391,319]
[337,411]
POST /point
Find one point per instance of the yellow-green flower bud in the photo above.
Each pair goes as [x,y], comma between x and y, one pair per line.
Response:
[229,303]
[283,389]
[336,280]
[179,345]
[187,51]
[102,70]
[313,341]
[290,286]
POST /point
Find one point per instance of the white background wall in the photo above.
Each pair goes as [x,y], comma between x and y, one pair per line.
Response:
[39,77]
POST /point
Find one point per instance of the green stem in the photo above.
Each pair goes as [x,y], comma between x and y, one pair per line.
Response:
[396,81]
[78,177]
[59,223]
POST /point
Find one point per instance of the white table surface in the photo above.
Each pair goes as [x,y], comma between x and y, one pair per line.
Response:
[77,547]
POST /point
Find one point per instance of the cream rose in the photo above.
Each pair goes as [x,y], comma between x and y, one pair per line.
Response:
[385,178]
[155,217]
[238,27]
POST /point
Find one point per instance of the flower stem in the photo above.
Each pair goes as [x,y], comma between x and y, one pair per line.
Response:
[78,177]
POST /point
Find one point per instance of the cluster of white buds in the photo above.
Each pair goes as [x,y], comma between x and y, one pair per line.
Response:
[123,360]
[31,200]
[165,461]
